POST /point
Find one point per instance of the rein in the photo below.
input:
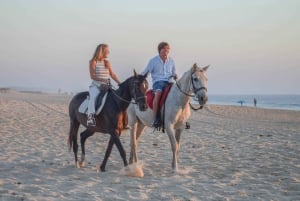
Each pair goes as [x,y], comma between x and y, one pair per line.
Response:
[183,91]
[200,107]
[122,99]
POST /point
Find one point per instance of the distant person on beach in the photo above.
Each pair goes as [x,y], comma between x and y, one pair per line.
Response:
[100,72]
[255,102]
[161,68]
[241,102]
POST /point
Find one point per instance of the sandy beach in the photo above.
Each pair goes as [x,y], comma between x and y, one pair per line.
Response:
[229,153]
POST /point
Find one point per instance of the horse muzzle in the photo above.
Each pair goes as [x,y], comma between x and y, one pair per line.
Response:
[202,100]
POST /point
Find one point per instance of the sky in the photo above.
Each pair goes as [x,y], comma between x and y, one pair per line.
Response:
[252,47]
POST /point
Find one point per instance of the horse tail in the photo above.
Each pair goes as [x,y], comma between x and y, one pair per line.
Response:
[72,133]
[74,121]
[70,141]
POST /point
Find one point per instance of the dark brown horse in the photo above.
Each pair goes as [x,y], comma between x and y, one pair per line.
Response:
[111,118]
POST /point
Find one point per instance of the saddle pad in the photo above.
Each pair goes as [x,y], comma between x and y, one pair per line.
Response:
[83,108]
[150,96]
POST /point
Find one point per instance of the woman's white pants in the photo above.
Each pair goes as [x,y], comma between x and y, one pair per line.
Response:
[93,93]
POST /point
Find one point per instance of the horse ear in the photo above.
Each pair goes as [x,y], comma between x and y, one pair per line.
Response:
[195,67]
[205,68]
[134,73]
[146,74]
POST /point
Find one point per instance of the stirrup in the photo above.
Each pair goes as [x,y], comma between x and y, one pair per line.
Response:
[156,123]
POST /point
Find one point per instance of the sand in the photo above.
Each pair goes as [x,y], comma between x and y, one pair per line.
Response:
[229,153]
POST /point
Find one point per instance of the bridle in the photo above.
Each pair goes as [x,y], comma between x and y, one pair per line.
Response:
[195,90]
[135,97]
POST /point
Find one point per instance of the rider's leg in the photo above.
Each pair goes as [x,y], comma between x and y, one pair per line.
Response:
[156,103]
[93,93]
[158,88]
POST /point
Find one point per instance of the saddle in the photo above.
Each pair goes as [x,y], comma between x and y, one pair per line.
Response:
[99,103]
[150,96]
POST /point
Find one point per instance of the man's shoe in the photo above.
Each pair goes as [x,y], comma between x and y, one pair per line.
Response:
[156,123]
[91,120]
[187,125]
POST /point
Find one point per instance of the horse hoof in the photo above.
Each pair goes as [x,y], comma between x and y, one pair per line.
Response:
[81,164]
[102,169]
[77,165]
[175,170]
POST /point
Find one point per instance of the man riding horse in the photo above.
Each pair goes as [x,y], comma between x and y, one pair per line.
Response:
[161,68]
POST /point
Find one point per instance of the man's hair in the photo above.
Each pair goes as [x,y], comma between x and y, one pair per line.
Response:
[161,46]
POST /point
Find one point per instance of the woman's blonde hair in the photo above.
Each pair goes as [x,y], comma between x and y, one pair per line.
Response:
[99,51]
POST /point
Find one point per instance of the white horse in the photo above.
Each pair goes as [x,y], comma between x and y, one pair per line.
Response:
[177,111]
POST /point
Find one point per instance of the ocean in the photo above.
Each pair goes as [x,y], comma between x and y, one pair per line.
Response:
[286,102]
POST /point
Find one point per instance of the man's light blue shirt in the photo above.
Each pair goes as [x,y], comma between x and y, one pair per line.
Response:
[159,70]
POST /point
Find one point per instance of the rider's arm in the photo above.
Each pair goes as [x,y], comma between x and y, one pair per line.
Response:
[174,70]
[111,73]
[92,69]
[148,69]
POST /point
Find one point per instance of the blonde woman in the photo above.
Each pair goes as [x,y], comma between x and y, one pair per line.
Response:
[100,72]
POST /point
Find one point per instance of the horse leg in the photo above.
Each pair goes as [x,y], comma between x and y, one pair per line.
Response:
[120,147]
[107,154]
[74,126]
[114,139]
[174,146]
[83,137]
[132,122]
[141,128]
[133,143]
[135,133]
[177,137]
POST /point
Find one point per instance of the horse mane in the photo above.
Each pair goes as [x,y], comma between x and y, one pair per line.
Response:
[193,69]
[122,94]
[185,76]
[121,85]
[119,95]
[130,78]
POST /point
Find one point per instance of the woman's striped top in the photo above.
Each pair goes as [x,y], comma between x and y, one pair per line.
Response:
[102,72]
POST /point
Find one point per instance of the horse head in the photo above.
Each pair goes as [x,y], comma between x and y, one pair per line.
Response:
[138,89]
[199,84]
